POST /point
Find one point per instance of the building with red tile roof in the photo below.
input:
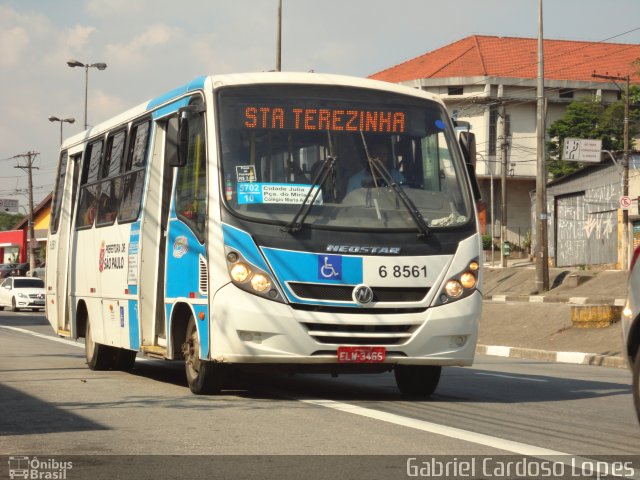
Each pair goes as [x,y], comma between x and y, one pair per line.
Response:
[490,82]
[510,57]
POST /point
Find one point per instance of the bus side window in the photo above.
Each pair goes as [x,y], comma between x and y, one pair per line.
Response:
[132,182]
[110,187]
[191,184]
[58,192]
[88,186]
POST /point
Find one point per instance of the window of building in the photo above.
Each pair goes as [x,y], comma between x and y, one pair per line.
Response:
[566,93]
[455,90]
[493,129]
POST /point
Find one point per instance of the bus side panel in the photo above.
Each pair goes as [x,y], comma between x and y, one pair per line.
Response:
[186,276]
[84,286]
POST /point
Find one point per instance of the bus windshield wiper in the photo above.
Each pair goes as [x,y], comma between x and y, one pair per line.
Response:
[378,169]
[327,166]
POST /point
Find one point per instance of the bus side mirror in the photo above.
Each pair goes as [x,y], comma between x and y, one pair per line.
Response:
[468,146]
[182,142]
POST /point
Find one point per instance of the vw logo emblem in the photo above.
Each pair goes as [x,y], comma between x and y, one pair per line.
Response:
[362,294]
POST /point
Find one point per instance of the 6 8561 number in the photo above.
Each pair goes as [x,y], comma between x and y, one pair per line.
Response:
[404,271]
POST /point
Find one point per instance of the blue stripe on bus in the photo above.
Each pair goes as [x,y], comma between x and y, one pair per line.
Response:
[244,244]
[182,277]
[195,84]
[293,266]
[134,325]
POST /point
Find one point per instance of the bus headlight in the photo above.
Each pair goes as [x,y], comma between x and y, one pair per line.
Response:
[459,286]
[250,278]
[468,280]
[260,282]
[453,288]
[240,272]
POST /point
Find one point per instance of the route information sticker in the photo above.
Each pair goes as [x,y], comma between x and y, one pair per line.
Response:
[251,193]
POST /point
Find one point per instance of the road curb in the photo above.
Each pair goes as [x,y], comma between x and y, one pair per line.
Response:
[551,356]
[556,299]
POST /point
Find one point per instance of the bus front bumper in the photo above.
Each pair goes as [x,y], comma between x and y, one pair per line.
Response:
[246,328]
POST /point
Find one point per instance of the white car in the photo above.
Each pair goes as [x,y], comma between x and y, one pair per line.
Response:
[631,326]
[22,292]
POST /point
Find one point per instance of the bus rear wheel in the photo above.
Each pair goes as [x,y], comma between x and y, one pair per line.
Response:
[417,380]
[203,377]
[99,357]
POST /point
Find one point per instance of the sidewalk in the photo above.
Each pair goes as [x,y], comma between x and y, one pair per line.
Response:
[518,322]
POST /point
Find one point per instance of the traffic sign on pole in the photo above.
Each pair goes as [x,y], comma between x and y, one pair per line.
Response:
[625,202]
[581,150]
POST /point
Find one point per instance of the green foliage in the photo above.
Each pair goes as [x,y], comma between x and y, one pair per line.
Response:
[486,242]
[8,221]
[590,119]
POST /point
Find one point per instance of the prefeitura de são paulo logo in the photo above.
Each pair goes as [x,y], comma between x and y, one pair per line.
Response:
[101,261]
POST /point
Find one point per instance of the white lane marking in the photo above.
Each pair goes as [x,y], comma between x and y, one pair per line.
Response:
[511,376]
[422,425]
[430,427]
[71,343]
[46,337]
[580,463]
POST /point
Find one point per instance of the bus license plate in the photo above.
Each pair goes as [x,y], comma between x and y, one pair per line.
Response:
[361,354]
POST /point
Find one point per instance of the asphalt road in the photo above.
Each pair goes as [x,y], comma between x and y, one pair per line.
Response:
[53,406]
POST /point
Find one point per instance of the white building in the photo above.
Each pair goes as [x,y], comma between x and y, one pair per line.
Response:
[479,77]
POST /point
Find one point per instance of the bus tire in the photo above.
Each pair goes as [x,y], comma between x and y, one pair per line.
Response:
[636,384]
[417,380]
[99,357]
[124,359]
[203,377]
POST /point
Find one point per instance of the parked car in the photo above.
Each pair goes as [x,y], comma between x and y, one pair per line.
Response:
[22,292]
[6,269]
[631,326]
[20,270]
[38,272]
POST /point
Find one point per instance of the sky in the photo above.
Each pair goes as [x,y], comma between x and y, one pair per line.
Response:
[152,46]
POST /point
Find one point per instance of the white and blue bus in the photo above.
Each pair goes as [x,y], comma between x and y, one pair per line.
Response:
[303,221]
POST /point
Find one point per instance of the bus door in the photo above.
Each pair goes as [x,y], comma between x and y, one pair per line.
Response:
[154,234]
[57,267]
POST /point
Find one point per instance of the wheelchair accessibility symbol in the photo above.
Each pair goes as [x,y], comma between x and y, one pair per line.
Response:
[330,267]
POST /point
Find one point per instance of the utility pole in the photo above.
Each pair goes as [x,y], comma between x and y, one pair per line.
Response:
[30,157]
[279,39]
[502,148]
[542,255]
[625,167]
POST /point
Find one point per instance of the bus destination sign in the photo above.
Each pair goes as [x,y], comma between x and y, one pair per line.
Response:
[324,119]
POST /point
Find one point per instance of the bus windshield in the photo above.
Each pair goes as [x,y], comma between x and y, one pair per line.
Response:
[275,140]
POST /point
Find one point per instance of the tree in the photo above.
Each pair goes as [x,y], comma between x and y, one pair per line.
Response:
[590,119]
[8,221]
[582,119]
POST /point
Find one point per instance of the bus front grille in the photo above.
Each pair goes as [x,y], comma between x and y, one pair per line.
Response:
[343,293]
[346,334]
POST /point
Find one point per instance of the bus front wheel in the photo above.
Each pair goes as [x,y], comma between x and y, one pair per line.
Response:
[99,357]
[417,380]
[203,377]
